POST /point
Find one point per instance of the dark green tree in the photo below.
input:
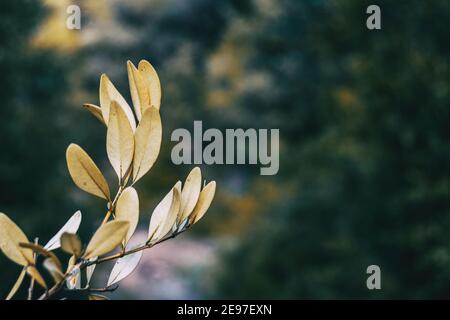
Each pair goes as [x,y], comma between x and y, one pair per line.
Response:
[365,116]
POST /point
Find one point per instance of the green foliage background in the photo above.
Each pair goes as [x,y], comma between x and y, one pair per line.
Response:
[364,124]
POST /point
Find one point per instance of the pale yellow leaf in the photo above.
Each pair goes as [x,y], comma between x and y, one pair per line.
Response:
[127,209]
[109,93]
[94,296]
[71,226]
[40,250]
[17,284]
[138,89]
[124,267]
[95,110]
[34,273]
[85,173]
[70,243]
[204,201]
[53,269]
[152,81]
[190,194]
[147,140]
[119,141]
[171,218]
[106,238]
[165,214]
[10,237]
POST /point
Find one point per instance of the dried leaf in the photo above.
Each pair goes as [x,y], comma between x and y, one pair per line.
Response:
[171,218]
[147,142]
[71,226]
[85,174]
[41,250]
[165,214]
[10,237]
[127,209]
[138,89]
[71,244]
[34,273]
[124,267]
[190,194]
[94,296]
[106,238]
[53,269]
[17,284]
[109,93]
[119,141]
[152,82]
[204,201]
[95,110]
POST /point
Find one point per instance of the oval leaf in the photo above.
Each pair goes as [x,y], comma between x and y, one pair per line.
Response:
[85,173]
[53,269]
[119,141]
[95,110]
[204,201]
[71,226]
[127,209]
[171,218]
[147,140]
[152,82]
[34,273]
[190,194]
[40,250]
[10,237]
[165,213]
[138,89]
[109,93]
[106,238]
[90,271]
[124,267]
[71,244]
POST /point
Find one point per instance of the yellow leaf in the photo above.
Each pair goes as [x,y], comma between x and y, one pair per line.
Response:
[165,214]
[106,238]
[108,94]
[190,194]
[171,218]
[138,89]
[119,141]
[40,250]
[124,267]
[127,209]
[17,284]
[152,81]
[95,110]
[204,201]
[84,172]
[10,237]
[94,296]
[147,143]
[70,243]
[34,273]
[53,269]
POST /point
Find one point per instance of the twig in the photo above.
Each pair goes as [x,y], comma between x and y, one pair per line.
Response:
[31,288]
[94,290]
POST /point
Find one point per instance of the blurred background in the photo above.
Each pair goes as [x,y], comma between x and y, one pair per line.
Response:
[364,139]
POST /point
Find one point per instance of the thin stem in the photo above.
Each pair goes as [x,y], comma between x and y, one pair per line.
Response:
[31,288]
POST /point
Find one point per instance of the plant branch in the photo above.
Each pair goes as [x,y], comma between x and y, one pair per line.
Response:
[87,263]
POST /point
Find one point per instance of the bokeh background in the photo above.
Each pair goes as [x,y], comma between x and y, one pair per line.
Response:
[364,139]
